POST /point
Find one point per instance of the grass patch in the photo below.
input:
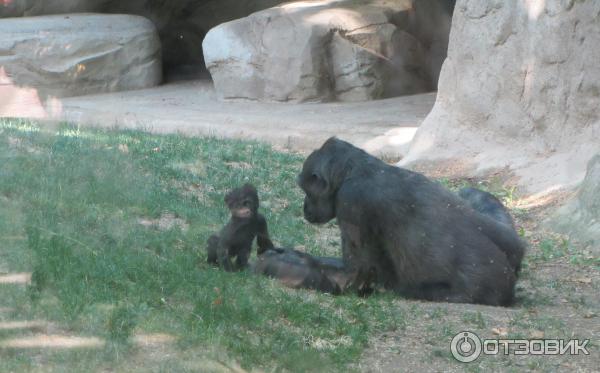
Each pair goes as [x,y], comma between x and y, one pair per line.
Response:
[113,225]
[73,206]
[550,249]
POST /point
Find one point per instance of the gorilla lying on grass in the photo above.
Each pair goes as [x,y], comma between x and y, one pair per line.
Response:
[299,270]
[409,233]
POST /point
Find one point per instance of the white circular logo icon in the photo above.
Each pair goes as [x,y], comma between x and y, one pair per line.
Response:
[465,347]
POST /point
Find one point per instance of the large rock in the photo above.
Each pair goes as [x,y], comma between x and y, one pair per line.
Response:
[580,218]
[520,89]
[312,51]
[181,24]
[79,54]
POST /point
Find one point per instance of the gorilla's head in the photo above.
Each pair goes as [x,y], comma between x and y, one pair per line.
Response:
[243,202]
[322,174]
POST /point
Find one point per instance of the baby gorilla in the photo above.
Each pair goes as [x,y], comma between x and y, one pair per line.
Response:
[236,237]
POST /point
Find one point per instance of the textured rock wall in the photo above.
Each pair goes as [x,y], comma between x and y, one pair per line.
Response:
[329,50]
[520,88]
[580,218]
[183,24]
[296,51]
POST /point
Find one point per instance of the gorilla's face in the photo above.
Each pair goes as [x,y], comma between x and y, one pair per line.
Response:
[318,209]
[243,202]
[319,203]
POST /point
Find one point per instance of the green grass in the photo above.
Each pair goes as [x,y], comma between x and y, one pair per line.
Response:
[553,248]
[113,225]
[71,201]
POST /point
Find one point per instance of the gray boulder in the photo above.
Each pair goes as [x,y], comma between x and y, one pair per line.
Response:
[79,54]
[300,51]
[580,218]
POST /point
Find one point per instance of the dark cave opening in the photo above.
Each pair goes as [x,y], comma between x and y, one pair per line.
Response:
[182,55]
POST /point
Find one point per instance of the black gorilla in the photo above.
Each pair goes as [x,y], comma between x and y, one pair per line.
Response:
[419,238]
[236,237]
[296,269]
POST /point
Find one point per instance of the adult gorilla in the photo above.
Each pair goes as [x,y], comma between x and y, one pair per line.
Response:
[417,237]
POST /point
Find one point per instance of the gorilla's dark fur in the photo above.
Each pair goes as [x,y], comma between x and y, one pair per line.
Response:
[419,238]
[486,204]
[236,237]
[300,270]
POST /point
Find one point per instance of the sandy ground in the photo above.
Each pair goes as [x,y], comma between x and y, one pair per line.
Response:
[383,127]
[555,298]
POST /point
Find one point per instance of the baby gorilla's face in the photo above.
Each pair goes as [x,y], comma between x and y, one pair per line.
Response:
[242,202]
[244,210]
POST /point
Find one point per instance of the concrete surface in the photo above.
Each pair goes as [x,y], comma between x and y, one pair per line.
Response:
[383,127]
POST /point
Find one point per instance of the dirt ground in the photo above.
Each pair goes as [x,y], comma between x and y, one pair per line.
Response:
[557,297]
[383,127]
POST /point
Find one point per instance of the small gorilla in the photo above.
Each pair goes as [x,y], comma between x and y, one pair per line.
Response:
[300,270]
[420,239]
[236,237]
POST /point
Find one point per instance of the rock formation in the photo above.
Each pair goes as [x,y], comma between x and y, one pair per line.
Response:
[580,218]
[68,55]
[181,24]
[520,89]
[322,50]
